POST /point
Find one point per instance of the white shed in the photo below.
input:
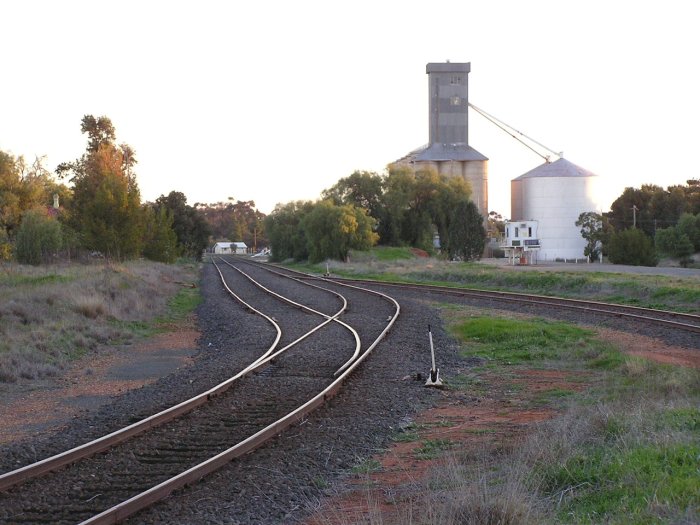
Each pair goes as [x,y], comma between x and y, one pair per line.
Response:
[238,247]
[520,241]
[223,247]
[230,247]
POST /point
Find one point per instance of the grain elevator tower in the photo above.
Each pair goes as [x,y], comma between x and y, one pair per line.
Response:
[448,151]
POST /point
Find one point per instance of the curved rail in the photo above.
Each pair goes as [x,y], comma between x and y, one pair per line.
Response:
[679,320]
[100,444]
[14,477]
[308,309]
[131,506]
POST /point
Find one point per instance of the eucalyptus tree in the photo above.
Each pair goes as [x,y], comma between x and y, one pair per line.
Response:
[106,207]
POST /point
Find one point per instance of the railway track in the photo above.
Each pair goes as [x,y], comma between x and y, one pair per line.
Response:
[289,366]
[302,367]
[674,320]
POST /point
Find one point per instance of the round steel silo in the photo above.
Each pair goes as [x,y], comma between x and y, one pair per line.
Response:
[555,194]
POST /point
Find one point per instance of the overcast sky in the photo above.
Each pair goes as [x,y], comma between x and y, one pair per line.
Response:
[275,101]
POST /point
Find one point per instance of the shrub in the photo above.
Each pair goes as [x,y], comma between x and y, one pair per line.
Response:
[674,243]
[633,247]
[38,237]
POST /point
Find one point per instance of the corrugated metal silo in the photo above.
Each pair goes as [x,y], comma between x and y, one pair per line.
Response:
[555,194]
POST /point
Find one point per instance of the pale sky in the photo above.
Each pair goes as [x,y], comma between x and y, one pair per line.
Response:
[274,101]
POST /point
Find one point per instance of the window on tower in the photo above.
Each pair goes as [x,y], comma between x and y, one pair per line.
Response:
[455,80]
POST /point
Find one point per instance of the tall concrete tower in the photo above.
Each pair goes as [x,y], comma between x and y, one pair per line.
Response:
[448,151]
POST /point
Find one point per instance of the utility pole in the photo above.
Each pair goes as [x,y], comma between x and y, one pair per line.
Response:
[634,215]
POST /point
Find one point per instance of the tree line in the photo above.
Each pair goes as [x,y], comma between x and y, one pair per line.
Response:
[400,208]
[42,218]
[645,223]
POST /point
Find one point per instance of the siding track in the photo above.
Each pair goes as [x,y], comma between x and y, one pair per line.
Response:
[311,354]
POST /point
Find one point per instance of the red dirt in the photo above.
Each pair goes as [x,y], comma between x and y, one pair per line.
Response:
[492,420]
[494,417]
[29,409]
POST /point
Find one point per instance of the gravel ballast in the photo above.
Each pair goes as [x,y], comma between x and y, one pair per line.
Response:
[282,481]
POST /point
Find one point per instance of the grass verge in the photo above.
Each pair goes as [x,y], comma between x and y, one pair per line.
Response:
[400,265]
[623,445]
[52,315]
[626,450]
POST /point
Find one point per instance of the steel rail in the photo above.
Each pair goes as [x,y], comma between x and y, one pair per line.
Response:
[543,300]
[129,507]
[14,477]
[55,462]
[304,307]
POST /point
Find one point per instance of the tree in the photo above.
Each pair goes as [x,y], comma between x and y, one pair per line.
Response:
[674,243]
[10,201]
[689,225]
[496,224]
[189,224]
[38,238]
[418,205]
[106,208]
[692,192]
[449,193]
[467,235]
[160,242]
[5,246]
[362,189]
[633,247]
[285,231]
[100,132]
[332,231]
[398,190]
[596,230]
[21,188]
[651,207]
[238,221]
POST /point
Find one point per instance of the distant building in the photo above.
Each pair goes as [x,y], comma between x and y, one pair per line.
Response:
[448,151]
[520,242]
[225,247]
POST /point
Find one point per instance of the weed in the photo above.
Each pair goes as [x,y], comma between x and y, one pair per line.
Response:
[432,448]
[605,482]
[320,483]
[406,437]
[184,303]
[514,341]
[545,397]
[366,466]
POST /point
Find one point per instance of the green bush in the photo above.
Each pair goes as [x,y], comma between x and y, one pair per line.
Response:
[633,247]
[38,238]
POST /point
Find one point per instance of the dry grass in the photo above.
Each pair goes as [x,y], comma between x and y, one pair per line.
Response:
[49,315]
[560,471]
[622,451]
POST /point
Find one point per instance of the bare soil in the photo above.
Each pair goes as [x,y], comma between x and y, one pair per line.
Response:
[503,412]
[30,408]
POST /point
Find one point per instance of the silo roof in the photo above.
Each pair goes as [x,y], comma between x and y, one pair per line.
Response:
[440,152]
[558,168]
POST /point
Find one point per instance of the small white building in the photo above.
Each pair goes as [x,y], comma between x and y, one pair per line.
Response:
[520,242]
[225,247]
[239,247]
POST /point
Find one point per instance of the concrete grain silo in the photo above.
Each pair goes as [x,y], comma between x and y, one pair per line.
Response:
[448,151]
[555,194]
